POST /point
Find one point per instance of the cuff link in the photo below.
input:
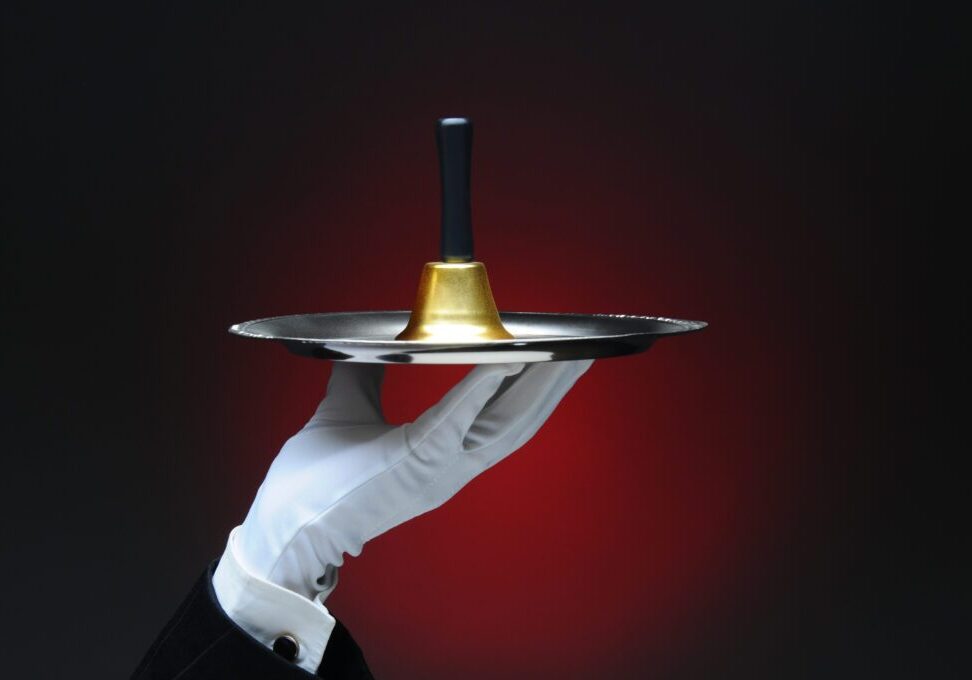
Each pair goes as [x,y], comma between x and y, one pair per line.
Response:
[286,645]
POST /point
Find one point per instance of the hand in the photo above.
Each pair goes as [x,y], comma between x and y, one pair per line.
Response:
[349,476]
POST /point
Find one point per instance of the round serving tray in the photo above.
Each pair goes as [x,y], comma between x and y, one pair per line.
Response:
[369,337]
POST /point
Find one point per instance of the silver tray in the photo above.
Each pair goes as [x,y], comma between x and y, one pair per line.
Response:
[368,337]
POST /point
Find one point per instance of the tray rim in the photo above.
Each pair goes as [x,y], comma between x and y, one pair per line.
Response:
[684,326]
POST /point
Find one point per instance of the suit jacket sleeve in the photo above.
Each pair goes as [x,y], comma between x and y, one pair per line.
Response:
[201,642]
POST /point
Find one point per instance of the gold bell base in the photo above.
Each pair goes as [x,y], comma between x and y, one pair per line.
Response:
[454,304]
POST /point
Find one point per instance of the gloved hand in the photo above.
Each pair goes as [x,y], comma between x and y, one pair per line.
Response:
[348,476]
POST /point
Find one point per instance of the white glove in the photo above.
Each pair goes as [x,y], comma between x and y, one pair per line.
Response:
[348,476]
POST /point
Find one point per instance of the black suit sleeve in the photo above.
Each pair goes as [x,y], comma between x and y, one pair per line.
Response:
[202,643]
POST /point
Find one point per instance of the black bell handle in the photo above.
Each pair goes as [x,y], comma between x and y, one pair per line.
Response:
[453,136]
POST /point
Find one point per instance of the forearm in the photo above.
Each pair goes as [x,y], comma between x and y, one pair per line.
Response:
[204,641]
[293,626]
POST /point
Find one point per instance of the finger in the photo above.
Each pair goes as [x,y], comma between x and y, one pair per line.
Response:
[536,385]
[516,415]
[353,395]
[443,426]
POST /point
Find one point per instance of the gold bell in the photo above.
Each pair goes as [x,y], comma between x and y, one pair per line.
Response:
[454,301]
[454,304]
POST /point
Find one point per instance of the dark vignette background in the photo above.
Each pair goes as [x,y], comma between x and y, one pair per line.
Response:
[778,497]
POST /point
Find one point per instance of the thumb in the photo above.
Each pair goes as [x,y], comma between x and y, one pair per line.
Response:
[444,425]
[353,395]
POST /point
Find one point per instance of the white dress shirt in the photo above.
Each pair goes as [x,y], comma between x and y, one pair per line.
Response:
[267,611]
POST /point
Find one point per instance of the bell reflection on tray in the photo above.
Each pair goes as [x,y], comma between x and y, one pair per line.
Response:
[454,319]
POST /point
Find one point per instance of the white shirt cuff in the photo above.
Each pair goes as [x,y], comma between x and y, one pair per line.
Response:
[266,611]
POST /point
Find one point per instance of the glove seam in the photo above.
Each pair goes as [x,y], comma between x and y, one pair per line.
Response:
[409,451]
[421,494]
[443,417]
[559,381]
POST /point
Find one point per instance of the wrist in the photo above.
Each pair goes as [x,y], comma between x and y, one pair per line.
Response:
[268,612]
[294,562]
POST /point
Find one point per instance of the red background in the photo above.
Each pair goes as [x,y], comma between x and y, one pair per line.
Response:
[768,498]
[648,503]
